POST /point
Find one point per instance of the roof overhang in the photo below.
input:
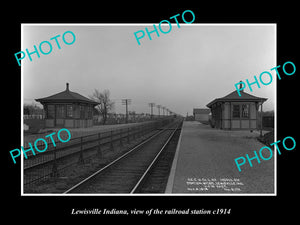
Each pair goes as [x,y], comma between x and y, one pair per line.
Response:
[222,100]
[65,101]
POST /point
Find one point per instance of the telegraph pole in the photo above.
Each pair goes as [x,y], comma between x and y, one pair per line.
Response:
[126,102]
[151,106]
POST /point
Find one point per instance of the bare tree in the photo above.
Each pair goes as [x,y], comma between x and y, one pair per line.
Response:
[105,105]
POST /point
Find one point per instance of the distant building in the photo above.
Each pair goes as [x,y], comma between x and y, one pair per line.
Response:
[236,112]
[68,109]
[201,115]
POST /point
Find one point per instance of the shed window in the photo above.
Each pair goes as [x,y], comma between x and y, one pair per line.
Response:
[60,111]
[236,111]
[81,107]
[50,111]
[90,112]
[76,111]
[86,108]
[70,111]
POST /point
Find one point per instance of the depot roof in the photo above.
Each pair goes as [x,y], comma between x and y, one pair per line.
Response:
[65,97]
[234,97]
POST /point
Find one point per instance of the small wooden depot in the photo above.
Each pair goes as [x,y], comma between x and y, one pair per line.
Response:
[68,109]
[236,112]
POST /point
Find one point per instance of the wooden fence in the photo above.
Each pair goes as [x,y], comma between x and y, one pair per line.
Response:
[60,156]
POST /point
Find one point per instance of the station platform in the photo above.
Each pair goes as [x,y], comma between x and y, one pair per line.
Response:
[204,163]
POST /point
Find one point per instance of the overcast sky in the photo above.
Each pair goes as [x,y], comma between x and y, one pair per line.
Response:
[184,69]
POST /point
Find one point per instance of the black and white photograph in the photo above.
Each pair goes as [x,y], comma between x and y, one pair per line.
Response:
[137,113]
[108,111]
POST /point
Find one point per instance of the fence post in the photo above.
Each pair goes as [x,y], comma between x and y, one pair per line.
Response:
[111,141]
[137,132]
[133,133]
[128,133]
[80,160]
[99,146]
[121,141]
[141,130]
[146,130]
[54,167]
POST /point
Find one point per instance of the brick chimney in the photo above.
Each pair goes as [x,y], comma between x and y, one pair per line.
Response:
[67,86]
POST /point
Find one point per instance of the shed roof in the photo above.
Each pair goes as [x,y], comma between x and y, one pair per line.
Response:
[65,97]
[234,97]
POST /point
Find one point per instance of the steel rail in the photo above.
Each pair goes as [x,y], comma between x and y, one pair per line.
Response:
[112,163]
[153,161]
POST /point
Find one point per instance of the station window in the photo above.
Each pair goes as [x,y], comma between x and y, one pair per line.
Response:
[81,108]
[90,112]
[86,108]
[60,111]
[70,111]
[245,111]
[236,111]
[50,111]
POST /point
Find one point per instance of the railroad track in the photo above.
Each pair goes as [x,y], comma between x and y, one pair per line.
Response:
[130,172]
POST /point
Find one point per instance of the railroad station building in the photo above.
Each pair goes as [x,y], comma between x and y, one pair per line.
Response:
[68,109]
[236,112]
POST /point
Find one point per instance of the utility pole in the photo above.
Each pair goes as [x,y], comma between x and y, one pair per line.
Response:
[151,106]
[126,102]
